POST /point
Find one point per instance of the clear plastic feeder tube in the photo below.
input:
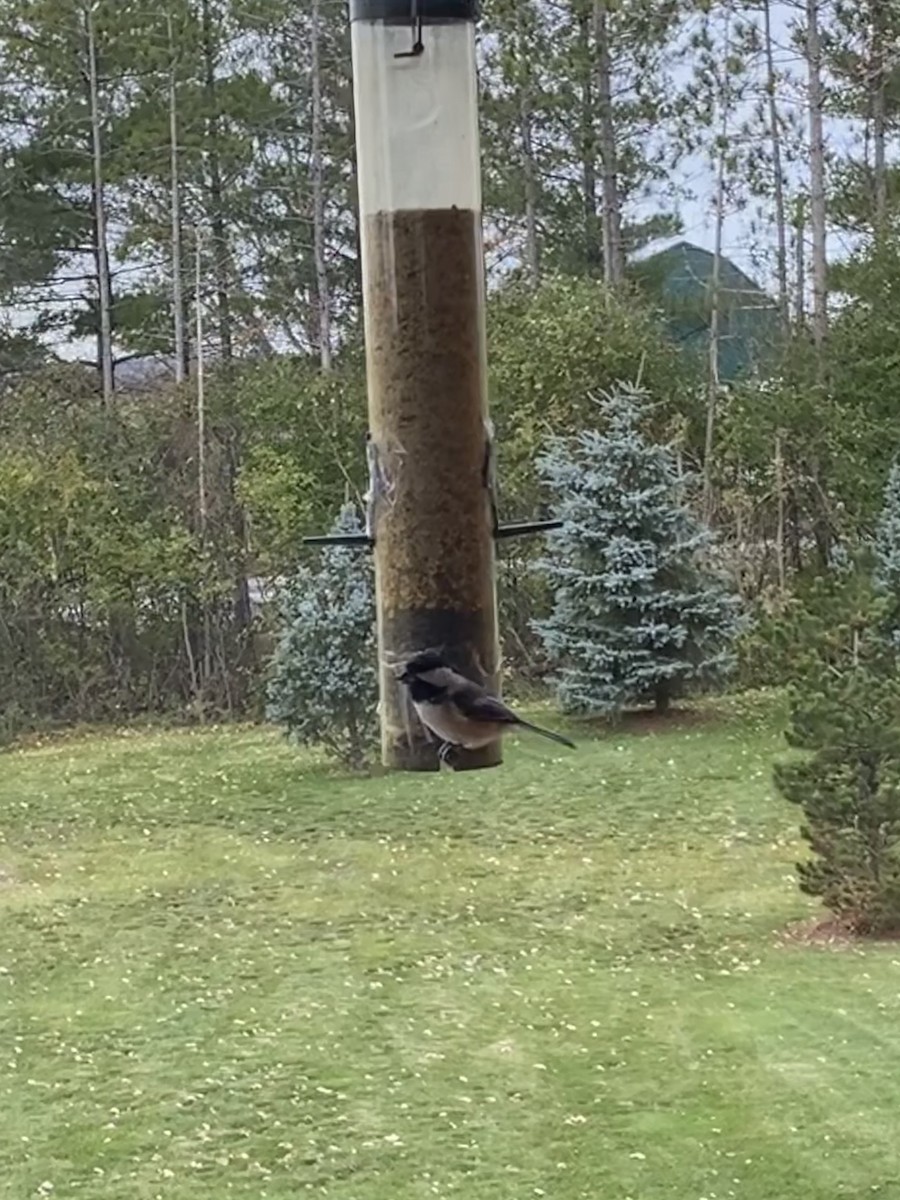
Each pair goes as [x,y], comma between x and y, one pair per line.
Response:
[416,115]
[418,157]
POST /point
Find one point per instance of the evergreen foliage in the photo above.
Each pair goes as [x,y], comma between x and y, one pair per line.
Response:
[887,553]
[845,714]
[638,614]
[324,683]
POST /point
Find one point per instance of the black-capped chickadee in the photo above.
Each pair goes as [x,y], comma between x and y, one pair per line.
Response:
[459,711]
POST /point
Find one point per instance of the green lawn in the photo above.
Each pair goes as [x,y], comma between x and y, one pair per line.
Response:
[227,972]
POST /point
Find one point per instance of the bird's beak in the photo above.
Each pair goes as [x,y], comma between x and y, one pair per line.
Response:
[402,675]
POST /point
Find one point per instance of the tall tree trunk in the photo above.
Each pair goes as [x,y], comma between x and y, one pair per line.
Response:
[593,252]
[179,315]
[205,671]
[529,168]
[781,248]
[202,509]
[800,263]
[323,291]
[220,253]
[779,517]
[524,83]
[821,524]
[98,199]
[715,319]
[221,271]
[817,212]
[723,114]
[878,77]
[613,253]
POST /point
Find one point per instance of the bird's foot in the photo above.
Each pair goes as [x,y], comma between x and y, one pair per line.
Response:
[444,755]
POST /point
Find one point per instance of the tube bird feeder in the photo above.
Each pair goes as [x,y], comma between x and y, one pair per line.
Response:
[430,501]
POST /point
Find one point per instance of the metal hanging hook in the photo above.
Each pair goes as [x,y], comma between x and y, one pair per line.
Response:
[415,20]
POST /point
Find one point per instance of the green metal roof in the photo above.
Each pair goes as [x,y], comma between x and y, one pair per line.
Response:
[680,278]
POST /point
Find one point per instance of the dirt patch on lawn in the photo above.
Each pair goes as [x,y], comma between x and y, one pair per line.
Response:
[647,721]
[832,934]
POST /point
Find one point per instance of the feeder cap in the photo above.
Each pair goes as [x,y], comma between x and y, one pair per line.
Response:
[403,12]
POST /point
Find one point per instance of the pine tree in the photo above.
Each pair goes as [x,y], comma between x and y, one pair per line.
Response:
[859,52]
[324,683]
[845,713]
[886,553]
[519,155]
[887,536]
[637,615]
[849,790]
[68,66]
[578,98]
[817,174]
[842,641]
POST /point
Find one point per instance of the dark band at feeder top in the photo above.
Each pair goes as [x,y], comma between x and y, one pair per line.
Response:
[402,12]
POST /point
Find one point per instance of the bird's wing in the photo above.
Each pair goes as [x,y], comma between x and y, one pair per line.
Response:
[481,706]
[441,678]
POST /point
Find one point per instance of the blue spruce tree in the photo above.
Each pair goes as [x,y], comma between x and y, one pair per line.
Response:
[637,616]
[323,687]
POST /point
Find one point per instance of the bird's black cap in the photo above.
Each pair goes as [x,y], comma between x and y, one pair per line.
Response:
[427,660]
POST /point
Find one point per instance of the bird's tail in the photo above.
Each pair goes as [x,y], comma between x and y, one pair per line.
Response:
[548,733]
